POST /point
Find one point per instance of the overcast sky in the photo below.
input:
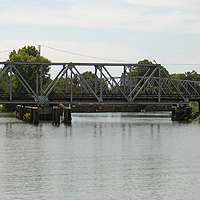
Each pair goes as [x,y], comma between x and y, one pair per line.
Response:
[167,31]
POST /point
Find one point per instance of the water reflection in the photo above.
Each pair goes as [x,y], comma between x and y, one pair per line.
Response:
[100,156]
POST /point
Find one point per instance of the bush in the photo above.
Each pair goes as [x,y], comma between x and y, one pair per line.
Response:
[195,107]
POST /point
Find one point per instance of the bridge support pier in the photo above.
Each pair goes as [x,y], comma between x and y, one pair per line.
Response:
[181,113]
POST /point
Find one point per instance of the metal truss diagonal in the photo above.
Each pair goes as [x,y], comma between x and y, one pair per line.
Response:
[179,92]
[86,83]
[145,83]
[117,85]
[139,83]
[27,85]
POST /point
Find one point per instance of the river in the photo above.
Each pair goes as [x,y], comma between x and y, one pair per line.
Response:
[100,156]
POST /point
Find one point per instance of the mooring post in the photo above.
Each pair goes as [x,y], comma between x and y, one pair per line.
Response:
[56,115]
[35,115]
[18,111]
[31,114]
[188,112]
[21,113]
[67,115]
[173,113]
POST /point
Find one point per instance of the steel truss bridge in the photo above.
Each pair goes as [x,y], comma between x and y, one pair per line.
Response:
[154,87]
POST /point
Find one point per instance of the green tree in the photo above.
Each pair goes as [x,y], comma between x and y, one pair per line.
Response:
[193,76]
[139,70]
[28,54]
[3,85]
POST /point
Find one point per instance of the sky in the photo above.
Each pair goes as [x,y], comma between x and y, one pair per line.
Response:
[167,31]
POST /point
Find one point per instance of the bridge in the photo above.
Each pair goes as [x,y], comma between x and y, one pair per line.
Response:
[154,87]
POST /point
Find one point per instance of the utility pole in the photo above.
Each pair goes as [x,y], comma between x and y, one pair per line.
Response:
[41,70]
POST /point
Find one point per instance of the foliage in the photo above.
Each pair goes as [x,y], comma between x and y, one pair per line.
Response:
[26,117]
[3,87]
[139,71]
[2,108]
[193,75]
[60,88]
[28,54]
[195,107]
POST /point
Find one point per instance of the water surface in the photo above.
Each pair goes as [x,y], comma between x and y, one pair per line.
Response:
[104,156]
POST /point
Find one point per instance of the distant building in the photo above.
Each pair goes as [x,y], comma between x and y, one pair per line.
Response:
[128,81]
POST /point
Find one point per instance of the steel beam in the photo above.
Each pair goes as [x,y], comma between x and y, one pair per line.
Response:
[11,82]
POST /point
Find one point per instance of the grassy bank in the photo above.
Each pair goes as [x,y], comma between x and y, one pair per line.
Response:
[195,111]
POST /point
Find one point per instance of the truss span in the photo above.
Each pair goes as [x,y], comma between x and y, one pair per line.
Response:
[155,86]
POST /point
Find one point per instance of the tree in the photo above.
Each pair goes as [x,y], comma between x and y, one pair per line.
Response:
[28,54]
[193,76]
[3,83]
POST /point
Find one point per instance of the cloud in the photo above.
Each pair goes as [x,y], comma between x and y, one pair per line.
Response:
[173,4]
[110,15]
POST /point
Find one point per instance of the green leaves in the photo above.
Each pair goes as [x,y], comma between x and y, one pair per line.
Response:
[28,54]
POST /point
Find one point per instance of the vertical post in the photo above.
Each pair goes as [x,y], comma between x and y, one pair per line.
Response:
[11,83]
[37,82]
[67,115]
[101,85]
[7,83]
[173,113]
[41,79]
[31,114]
[35,115]
[159,86]
[130,81]
[188,112]
[56,116]
[71,88]
[41,69]
[95,79]
[21,112]
[66,89]
[124,78]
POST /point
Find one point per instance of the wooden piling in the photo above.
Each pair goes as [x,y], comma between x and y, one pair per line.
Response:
[56,115]
[67,115]
[31,115]
[21,112]
[35,115]
[173,113]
